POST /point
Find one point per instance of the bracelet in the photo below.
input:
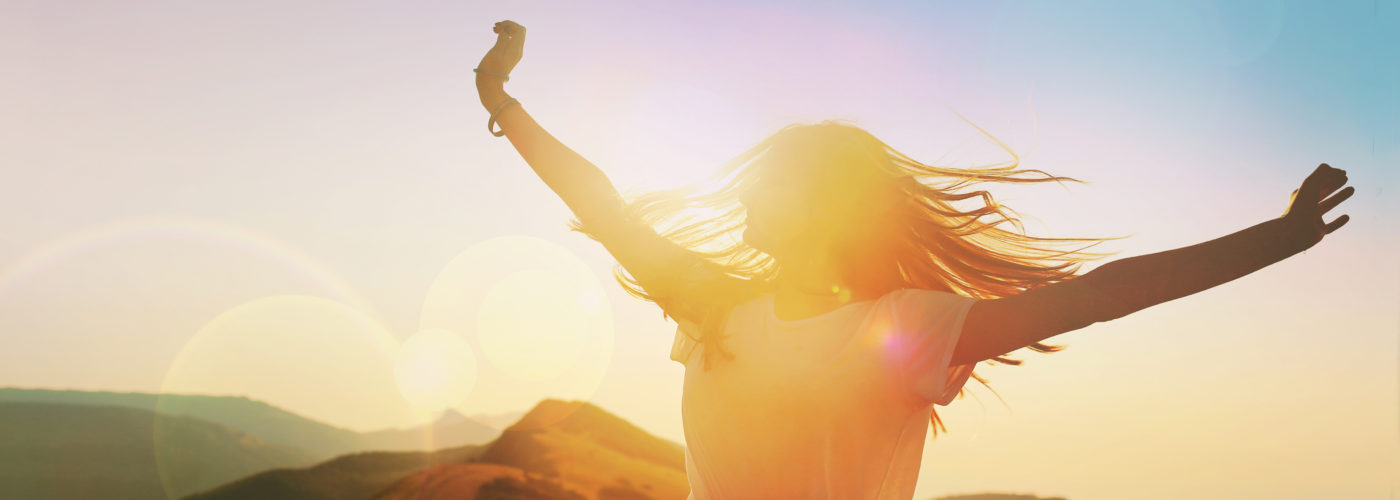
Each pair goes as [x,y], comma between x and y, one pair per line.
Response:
[479,70]
[492,122]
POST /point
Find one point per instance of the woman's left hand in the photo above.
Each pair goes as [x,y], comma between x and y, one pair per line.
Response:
[505,54]
[1306,205]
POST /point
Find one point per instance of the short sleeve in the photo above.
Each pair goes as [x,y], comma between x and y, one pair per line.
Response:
[927,326]
[684,344]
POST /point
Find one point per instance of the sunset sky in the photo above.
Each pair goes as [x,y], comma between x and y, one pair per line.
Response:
[300,203]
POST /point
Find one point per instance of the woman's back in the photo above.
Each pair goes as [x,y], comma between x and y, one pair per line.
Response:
[832,406]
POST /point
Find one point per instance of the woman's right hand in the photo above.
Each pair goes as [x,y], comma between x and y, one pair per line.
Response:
[502,58]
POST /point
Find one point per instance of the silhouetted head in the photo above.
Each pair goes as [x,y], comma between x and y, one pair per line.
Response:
[827,187]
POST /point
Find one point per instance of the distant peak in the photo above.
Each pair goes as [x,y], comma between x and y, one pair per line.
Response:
[551,412]
[585,422]
[580,418]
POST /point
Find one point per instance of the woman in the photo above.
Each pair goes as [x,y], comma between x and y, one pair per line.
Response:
[857,298]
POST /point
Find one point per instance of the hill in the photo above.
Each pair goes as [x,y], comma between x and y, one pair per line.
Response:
[563,450]
[50,450]
[272,424]
[354,476]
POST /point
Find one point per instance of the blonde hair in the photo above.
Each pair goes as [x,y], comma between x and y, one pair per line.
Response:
[927,243]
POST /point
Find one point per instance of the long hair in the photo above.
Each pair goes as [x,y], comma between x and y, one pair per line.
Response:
[918,239]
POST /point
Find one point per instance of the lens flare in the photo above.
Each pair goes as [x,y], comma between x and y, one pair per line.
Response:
[435,369]
[308,355]
[79,242]
[535,314]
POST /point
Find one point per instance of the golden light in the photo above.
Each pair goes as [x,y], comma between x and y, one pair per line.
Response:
[535,315]
[310,356]
[532,325]
[435,369]
[281,349]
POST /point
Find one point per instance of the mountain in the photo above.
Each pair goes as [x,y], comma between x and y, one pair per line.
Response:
[559,450]
[563,450]
[272,424]
[51,450]
[354,476]
[526,444]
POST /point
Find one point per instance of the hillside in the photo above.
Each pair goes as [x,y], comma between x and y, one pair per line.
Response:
[565,450]
[354,476]
[50,450]
[272,424]
[481,481]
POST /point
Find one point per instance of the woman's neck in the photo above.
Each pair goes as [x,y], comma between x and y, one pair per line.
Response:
[811,286]
[813,274]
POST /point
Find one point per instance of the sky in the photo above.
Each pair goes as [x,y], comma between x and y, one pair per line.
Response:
[299,204]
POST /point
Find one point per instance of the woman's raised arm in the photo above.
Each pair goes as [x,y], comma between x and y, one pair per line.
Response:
[1135,283]
[582,185]
[657,263]
[997,326]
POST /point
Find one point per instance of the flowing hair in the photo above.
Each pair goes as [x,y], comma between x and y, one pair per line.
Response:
[923,241]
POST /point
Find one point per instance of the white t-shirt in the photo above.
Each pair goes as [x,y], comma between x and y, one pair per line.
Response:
[835,406]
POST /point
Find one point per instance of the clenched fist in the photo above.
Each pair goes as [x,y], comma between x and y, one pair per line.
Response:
[504,55]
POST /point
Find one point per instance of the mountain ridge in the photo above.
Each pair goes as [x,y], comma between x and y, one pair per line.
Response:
[58,450]
[271,423]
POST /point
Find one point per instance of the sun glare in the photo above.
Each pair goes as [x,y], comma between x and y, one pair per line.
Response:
[310,355]
[532,325]
[435,369]
[536,316]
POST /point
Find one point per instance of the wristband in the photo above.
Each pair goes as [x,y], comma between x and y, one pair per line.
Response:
[479,70]
[492,122]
